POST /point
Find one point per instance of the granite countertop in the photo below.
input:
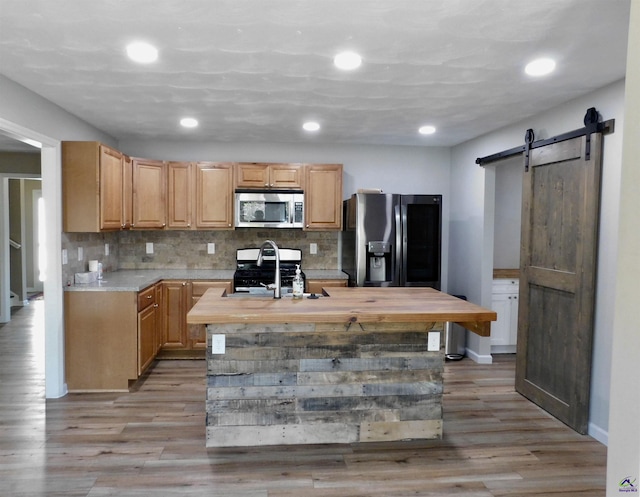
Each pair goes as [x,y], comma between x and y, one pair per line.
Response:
[134,280]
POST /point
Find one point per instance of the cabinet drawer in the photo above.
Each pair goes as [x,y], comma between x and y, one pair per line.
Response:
[199,287]
[505,286]
[146,297]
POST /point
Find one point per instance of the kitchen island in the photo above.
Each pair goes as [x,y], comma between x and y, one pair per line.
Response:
[355,365]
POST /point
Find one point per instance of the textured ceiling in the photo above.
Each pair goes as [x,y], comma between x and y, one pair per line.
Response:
[254,70]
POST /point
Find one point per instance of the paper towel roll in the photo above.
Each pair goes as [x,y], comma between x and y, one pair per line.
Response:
[93,266]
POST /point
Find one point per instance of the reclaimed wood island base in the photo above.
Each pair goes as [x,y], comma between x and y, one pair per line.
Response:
[352,367]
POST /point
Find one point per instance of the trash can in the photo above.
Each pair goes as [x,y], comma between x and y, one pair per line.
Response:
[455,341]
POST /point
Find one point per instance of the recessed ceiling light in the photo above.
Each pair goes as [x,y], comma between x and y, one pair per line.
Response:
[427,130]
[188,122]
[347,60]
[311,126]
[142,52]
[540,67]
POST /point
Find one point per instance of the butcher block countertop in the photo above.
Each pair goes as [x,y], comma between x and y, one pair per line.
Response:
[356,305]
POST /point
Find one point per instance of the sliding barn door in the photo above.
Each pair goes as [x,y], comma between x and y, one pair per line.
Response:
[561,191]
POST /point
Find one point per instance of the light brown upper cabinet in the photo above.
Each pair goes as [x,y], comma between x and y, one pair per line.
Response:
[127,192]
[260,175]
[149,208]
[200,195]
[323,197]
[213,186]
[179,195]
[92,187]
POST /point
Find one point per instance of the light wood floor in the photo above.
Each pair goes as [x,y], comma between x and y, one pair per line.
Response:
[150,442]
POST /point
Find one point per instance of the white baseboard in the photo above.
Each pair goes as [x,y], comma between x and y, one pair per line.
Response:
[15,301]
[599,434]
[480,359]
[503,349]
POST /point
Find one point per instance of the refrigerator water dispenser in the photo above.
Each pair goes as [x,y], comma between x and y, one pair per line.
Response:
[379,262]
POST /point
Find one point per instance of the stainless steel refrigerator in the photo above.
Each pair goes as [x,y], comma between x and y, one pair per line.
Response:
[392,240]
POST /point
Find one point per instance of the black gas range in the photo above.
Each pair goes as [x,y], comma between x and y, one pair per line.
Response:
[249,277]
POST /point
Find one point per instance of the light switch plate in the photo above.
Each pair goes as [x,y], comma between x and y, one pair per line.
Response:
[217,344]
[65,258]
[149,246]
[433,341]
[80,253]
[313,248]
[106,249]
[211,248]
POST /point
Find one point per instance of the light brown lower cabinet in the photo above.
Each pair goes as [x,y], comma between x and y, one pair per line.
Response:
[110,338]
[316,286]
[179,296]
[149,321]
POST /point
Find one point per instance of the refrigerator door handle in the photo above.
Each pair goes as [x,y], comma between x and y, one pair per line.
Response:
[397,263]
[405,245]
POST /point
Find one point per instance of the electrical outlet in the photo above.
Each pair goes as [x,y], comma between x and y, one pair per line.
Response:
[217,344]
[65,258]
[433,342]
[211,248]
[313,248]
[149,246]
[80,253]
[106,249]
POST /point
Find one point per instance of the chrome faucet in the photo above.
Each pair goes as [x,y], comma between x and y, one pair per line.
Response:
[276,284]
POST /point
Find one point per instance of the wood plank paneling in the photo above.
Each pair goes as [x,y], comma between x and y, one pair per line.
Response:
[374,382]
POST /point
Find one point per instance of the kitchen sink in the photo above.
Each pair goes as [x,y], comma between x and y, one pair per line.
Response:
[268,294]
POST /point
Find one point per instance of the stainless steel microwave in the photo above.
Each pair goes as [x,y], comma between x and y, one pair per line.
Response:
[269,209]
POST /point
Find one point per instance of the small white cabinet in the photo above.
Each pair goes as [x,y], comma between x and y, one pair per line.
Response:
[504,331]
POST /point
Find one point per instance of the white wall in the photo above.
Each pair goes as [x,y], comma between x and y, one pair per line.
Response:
[508,208]
[24,114]
[471,220]
[623,456]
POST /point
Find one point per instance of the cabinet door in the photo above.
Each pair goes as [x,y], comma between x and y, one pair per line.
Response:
[159,305]
[500,329]
[252,175]
[198,332]
[323,197]
[179,196]
[513,324]
[174,299]
[127,192]
[147,324]
[214,195]
[285,176]
[148,194]
[111,188]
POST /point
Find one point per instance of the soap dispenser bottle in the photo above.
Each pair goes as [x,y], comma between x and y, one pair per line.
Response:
[298,284]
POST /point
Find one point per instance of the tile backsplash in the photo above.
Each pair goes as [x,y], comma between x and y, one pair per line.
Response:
[188,249]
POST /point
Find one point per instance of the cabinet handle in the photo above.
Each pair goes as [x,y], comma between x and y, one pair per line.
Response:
[156,305]
[184,283]
[266,184]
[164,224]
[149,296]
